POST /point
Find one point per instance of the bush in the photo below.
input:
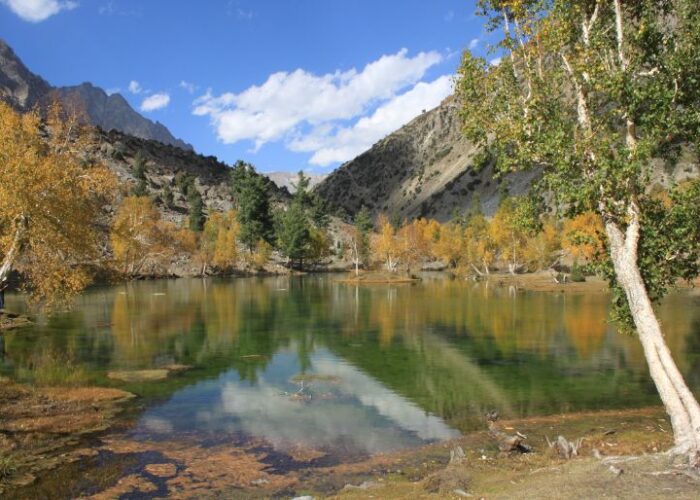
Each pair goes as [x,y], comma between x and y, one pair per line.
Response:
[577,273]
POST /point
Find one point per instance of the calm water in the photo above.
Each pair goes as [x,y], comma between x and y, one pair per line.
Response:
[306,361]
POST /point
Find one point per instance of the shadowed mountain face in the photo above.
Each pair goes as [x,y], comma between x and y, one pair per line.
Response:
[424,169]
[428,168]
[24,90]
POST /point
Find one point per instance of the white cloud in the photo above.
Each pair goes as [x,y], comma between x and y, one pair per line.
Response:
[188,86]
[36,11]
[113,90]
[495,61]
[473,43]
[277,109]
[135,87]
[155,101]
[337,144]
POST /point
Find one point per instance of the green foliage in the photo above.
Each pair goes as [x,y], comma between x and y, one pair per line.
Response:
[253,205]
[577,273]
[139,171]
[363,220]
[293,232]
[301,228]
[593,106]
[184,182]
[196,208]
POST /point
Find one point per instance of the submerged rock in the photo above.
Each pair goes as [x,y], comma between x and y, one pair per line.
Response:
[150,375]
[139,375]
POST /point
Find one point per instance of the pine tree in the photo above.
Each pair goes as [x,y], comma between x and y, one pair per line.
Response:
[196,207]
[252,200]
[293,233]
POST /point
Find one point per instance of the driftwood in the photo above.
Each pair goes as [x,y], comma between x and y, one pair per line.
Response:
[457,456]
[506,442]
[566,449]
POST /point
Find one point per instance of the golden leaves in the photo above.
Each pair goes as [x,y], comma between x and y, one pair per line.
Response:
[46,182]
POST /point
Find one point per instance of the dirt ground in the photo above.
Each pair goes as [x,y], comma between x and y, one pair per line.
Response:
[628,463]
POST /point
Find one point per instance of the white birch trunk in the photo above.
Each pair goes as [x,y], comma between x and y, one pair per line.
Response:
[679,401]
[14,250]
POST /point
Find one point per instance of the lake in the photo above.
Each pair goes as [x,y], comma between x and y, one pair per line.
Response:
[350,371]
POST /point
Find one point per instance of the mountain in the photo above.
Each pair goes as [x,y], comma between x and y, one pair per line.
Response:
[288,179]
[24,90]
[424,169]
[164,166]
[428,168]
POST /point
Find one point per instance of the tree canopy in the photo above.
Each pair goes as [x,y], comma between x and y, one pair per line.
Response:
[593,93]
[51,200]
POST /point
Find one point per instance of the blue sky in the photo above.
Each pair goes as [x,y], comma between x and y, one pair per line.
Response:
[284,84]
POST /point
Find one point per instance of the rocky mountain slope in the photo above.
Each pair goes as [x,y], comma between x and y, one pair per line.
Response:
[163,165]
[288,179]
[428,169]
[24,90]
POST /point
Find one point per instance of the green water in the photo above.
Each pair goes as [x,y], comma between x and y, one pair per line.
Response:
[384,367]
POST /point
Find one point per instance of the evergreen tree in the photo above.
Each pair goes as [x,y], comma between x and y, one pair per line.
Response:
[196,206]
[253,205]
[139,171]
[293,233]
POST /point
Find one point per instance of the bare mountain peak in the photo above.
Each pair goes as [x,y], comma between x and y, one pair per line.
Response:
[23,90]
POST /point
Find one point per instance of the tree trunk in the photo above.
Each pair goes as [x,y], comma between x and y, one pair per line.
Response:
[15,248]
[679,401]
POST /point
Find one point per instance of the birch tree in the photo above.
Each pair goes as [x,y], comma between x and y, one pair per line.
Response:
[593,92]
[51,197]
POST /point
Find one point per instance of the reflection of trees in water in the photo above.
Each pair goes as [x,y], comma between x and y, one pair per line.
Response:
[452,347]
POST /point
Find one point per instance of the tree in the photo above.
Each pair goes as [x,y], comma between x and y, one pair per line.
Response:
[416,240]
[510,228]
[253,205]
[196,206]
[136,237]
[359,238]
[319,245]
[543,249]
[218,242]
[591,92]
[51,201]
[385,245]
[451,244]
[584,236]
[139,171]
[293,233]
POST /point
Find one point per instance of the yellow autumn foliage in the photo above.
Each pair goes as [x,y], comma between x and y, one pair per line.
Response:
[51,199]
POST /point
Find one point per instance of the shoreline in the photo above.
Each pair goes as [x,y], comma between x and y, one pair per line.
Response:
[65,447]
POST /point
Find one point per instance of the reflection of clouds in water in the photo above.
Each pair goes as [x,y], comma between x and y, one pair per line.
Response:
[389,404]
[362,412]
[357,414]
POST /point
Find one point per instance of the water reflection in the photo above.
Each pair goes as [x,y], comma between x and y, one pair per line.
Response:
[408,363]
[339,408]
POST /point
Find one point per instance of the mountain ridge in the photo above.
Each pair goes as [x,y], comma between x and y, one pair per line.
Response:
[24,90]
